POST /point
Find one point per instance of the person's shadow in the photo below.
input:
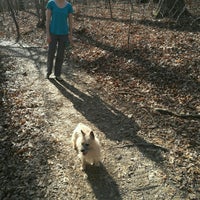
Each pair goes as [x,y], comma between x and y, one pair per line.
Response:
[115,125]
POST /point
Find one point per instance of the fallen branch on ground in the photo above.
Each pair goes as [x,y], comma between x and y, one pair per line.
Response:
[169,112]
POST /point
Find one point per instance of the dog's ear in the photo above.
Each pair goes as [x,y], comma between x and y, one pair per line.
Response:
[92,135]
[82,133]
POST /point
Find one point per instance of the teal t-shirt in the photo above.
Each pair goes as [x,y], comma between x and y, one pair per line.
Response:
[59,17]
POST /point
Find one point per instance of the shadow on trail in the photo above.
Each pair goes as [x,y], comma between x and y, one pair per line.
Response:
[24,150]
[116,126]
[103,185]
[113,123]
[22,167]
[35,54]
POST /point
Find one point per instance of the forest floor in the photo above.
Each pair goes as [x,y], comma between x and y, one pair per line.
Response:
[141,97]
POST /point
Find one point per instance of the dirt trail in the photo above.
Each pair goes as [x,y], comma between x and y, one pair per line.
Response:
[37,159]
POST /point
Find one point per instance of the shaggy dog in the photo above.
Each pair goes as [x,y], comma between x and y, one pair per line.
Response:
[86,143]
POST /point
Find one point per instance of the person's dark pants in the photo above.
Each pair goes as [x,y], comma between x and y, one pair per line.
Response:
[58,42]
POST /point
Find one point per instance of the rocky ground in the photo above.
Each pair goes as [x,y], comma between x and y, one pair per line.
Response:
[143,105]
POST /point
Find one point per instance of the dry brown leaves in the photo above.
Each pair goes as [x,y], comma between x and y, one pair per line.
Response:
[159,67]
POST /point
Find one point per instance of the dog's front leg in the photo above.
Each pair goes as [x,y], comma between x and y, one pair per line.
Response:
[97,163]
[74,145]
[83,165]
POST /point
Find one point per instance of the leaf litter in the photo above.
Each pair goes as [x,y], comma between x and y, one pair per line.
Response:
[158,69]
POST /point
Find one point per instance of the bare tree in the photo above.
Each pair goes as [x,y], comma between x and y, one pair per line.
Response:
[11,9]
[40,9]
[108,5]
[2,6]
[130,22]
[171,8]
[21,5]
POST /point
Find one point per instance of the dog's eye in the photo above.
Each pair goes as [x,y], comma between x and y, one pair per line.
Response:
[86,145]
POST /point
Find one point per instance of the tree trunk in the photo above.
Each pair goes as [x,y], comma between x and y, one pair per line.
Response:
[110,7]
[21,5]
[171,8]
[14,19]
[40,8]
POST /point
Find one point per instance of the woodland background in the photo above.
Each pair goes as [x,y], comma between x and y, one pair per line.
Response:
[146,56]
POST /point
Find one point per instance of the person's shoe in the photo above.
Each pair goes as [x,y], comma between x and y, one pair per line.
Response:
[58,78]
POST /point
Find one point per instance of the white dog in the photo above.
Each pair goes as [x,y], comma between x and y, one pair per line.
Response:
[87,145]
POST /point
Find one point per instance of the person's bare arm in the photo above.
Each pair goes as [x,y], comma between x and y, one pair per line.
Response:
[70,28]
[48,18]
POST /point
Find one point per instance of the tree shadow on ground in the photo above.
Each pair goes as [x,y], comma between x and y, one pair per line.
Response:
[163,24]
[116,126]
[103,185]
[113,123]
[144,68]
[24,170]
[188,25]
[35,54]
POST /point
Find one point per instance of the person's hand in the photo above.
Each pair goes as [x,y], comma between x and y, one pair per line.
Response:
[70,40]
[48,39]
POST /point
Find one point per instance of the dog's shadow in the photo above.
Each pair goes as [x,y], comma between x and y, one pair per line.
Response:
[103,185]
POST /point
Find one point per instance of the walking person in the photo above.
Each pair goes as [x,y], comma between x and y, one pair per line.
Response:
[59,34]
